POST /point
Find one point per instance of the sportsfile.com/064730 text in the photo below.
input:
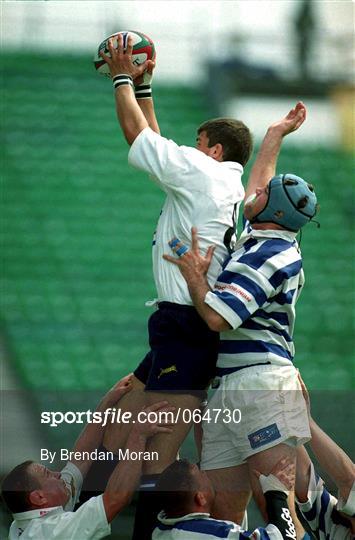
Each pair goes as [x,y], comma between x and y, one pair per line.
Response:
[117,416]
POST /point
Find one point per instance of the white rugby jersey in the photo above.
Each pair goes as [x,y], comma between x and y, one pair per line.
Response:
[202,527]
[256,294]
[318,511]
[200,192]
[89,522]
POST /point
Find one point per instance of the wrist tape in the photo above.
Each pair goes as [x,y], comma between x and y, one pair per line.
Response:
[120,80]
[143,91]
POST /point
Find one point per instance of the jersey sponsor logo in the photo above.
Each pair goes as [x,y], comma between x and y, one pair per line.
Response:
[233,288]
[286,516]
[264,436]
[165,371]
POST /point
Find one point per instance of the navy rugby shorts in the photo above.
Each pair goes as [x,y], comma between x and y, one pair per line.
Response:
[183,351]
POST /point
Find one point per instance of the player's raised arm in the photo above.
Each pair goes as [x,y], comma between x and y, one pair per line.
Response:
[124,72]
[265,162]
[143,93]
[124,479]
[92,435]
[329,455]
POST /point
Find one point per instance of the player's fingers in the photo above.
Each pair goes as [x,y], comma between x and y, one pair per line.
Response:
[120,46]
[156,406]
[105,57]
[171,259]
[194,240]
[210,253]
[161,429]
[142,68]
[151,66]
[129,47]
[256,473]
[111,47]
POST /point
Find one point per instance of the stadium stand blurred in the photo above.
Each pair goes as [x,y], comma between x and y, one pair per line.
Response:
[76,235]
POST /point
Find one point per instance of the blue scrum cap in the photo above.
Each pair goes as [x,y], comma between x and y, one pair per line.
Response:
[292,203]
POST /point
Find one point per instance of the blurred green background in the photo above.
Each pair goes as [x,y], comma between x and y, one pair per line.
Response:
[76,232]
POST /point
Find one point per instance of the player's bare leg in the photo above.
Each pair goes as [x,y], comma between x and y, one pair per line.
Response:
[264,462]
[168,446]
[116,434]
[233,492]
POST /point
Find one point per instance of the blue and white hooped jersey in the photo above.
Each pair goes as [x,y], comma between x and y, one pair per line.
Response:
[256,294]
[202,527]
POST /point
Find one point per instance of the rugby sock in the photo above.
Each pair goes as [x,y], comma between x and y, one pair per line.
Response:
[96,479]
[149,504]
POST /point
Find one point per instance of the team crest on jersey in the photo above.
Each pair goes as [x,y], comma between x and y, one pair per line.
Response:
[165,371]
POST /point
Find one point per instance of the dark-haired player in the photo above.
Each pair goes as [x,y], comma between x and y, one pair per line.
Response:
[187,496]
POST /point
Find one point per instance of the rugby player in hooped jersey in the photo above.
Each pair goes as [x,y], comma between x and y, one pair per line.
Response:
[203,186]
[187,500]
[252,305]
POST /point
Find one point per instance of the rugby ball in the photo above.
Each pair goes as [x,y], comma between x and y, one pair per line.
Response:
[143,49]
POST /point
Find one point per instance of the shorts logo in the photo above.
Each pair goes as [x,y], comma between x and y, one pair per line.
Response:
[264,436]
[165,371]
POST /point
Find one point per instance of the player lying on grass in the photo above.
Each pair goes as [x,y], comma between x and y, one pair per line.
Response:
[327,516]
[252,305]
[42,500]
[203,187]
[187,499]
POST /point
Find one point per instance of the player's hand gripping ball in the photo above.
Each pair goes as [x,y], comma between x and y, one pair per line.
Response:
[143,49]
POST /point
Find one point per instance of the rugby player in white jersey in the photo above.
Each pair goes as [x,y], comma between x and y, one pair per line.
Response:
[252,305]
[203,186]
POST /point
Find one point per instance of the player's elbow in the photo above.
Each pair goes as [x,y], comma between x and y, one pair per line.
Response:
[216,323]
[130,135]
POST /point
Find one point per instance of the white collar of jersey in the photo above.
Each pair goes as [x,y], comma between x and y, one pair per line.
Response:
[172,521]
[37,513]
[233,165]
[273,233]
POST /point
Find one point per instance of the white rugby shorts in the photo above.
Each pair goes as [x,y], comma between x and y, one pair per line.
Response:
[272,410]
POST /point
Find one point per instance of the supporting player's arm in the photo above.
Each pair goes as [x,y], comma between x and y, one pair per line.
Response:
[92,435]
[129,113]
[333,460]
[329,455]
[265,164]
[124,479]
